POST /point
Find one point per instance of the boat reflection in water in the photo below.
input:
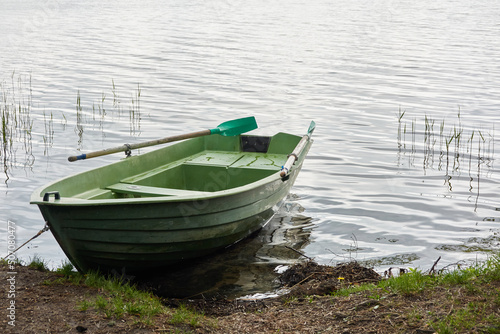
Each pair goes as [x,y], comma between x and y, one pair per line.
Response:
[245,268]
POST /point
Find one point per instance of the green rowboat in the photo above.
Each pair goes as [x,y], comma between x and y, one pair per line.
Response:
[173,204]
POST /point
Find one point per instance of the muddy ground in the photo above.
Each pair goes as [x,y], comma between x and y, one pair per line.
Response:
[309,307]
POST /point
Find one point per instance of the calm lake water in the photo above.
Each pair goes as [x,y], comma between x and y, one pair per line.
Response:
[405,95]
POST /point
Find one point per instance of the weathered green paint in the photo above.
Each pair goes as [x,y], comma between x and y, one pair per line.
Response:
[176,203]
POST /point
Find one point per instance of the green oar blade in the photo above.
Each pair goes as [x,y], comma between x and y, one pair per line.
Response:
[235,127]
[312,126]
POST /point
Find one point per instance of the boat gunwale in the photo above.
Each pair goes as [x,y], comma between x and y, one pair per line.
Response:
[37,195]
[197,195]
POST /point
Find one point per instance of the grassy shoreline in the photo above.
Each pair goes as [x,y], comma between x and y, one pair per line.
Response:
[460,301]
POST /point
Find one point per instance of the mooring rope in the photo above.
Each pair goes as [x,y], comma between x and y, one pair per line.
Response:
[44,229]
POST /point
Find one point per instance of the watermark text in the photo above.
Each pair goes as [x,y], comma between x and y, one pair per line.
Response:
[11,274]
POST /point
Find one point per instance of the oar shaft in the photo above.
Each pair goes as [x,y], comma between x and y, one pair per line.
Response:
[294,156]
[297,150]
[229,128]
[170,139]
[124,148]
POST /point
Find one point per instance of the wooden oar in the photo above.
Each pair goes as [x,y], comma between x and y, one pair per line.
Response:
[297,150]
[229,128]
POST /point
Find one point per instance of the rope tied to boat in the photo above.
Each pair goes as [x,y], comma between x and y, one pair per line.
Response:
[44,229]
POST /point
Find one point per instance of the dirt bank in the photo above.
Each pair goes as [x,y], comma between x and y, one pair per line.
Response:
[43,306]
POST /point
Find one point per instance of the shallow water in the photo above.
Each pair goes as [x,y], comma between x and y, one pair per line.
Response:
[376,187]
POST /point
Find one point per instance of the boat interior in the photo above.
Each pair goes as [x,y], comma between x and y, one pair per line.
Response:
[208,170]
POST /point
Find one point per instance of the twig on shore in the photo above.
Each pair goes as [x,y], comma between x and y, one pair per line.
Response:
[432,271]
[302,254]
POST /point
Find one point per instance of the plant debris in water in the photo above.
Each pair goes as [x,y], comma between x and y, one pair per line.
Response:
[310,278]
[301,279]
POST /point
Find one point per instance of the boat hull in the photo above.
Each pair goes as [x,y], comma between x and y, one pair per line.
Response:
[135,233]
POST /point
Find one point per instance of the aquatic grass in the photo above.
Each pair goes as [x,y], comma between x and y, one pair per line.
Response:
[12,262]
[123,298]
[135,112]
[116,100]
[409,284]
[64,121]
[48,137]
[79,129]
[401,113]
[486,271]
[101,303]
[16,126]
[21,124]
[95,116]
[5,134]
[66,269]
[36,262]
[450,138]
[449,150]
[102,110]
[186,316]
[84,305]
[429,142]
